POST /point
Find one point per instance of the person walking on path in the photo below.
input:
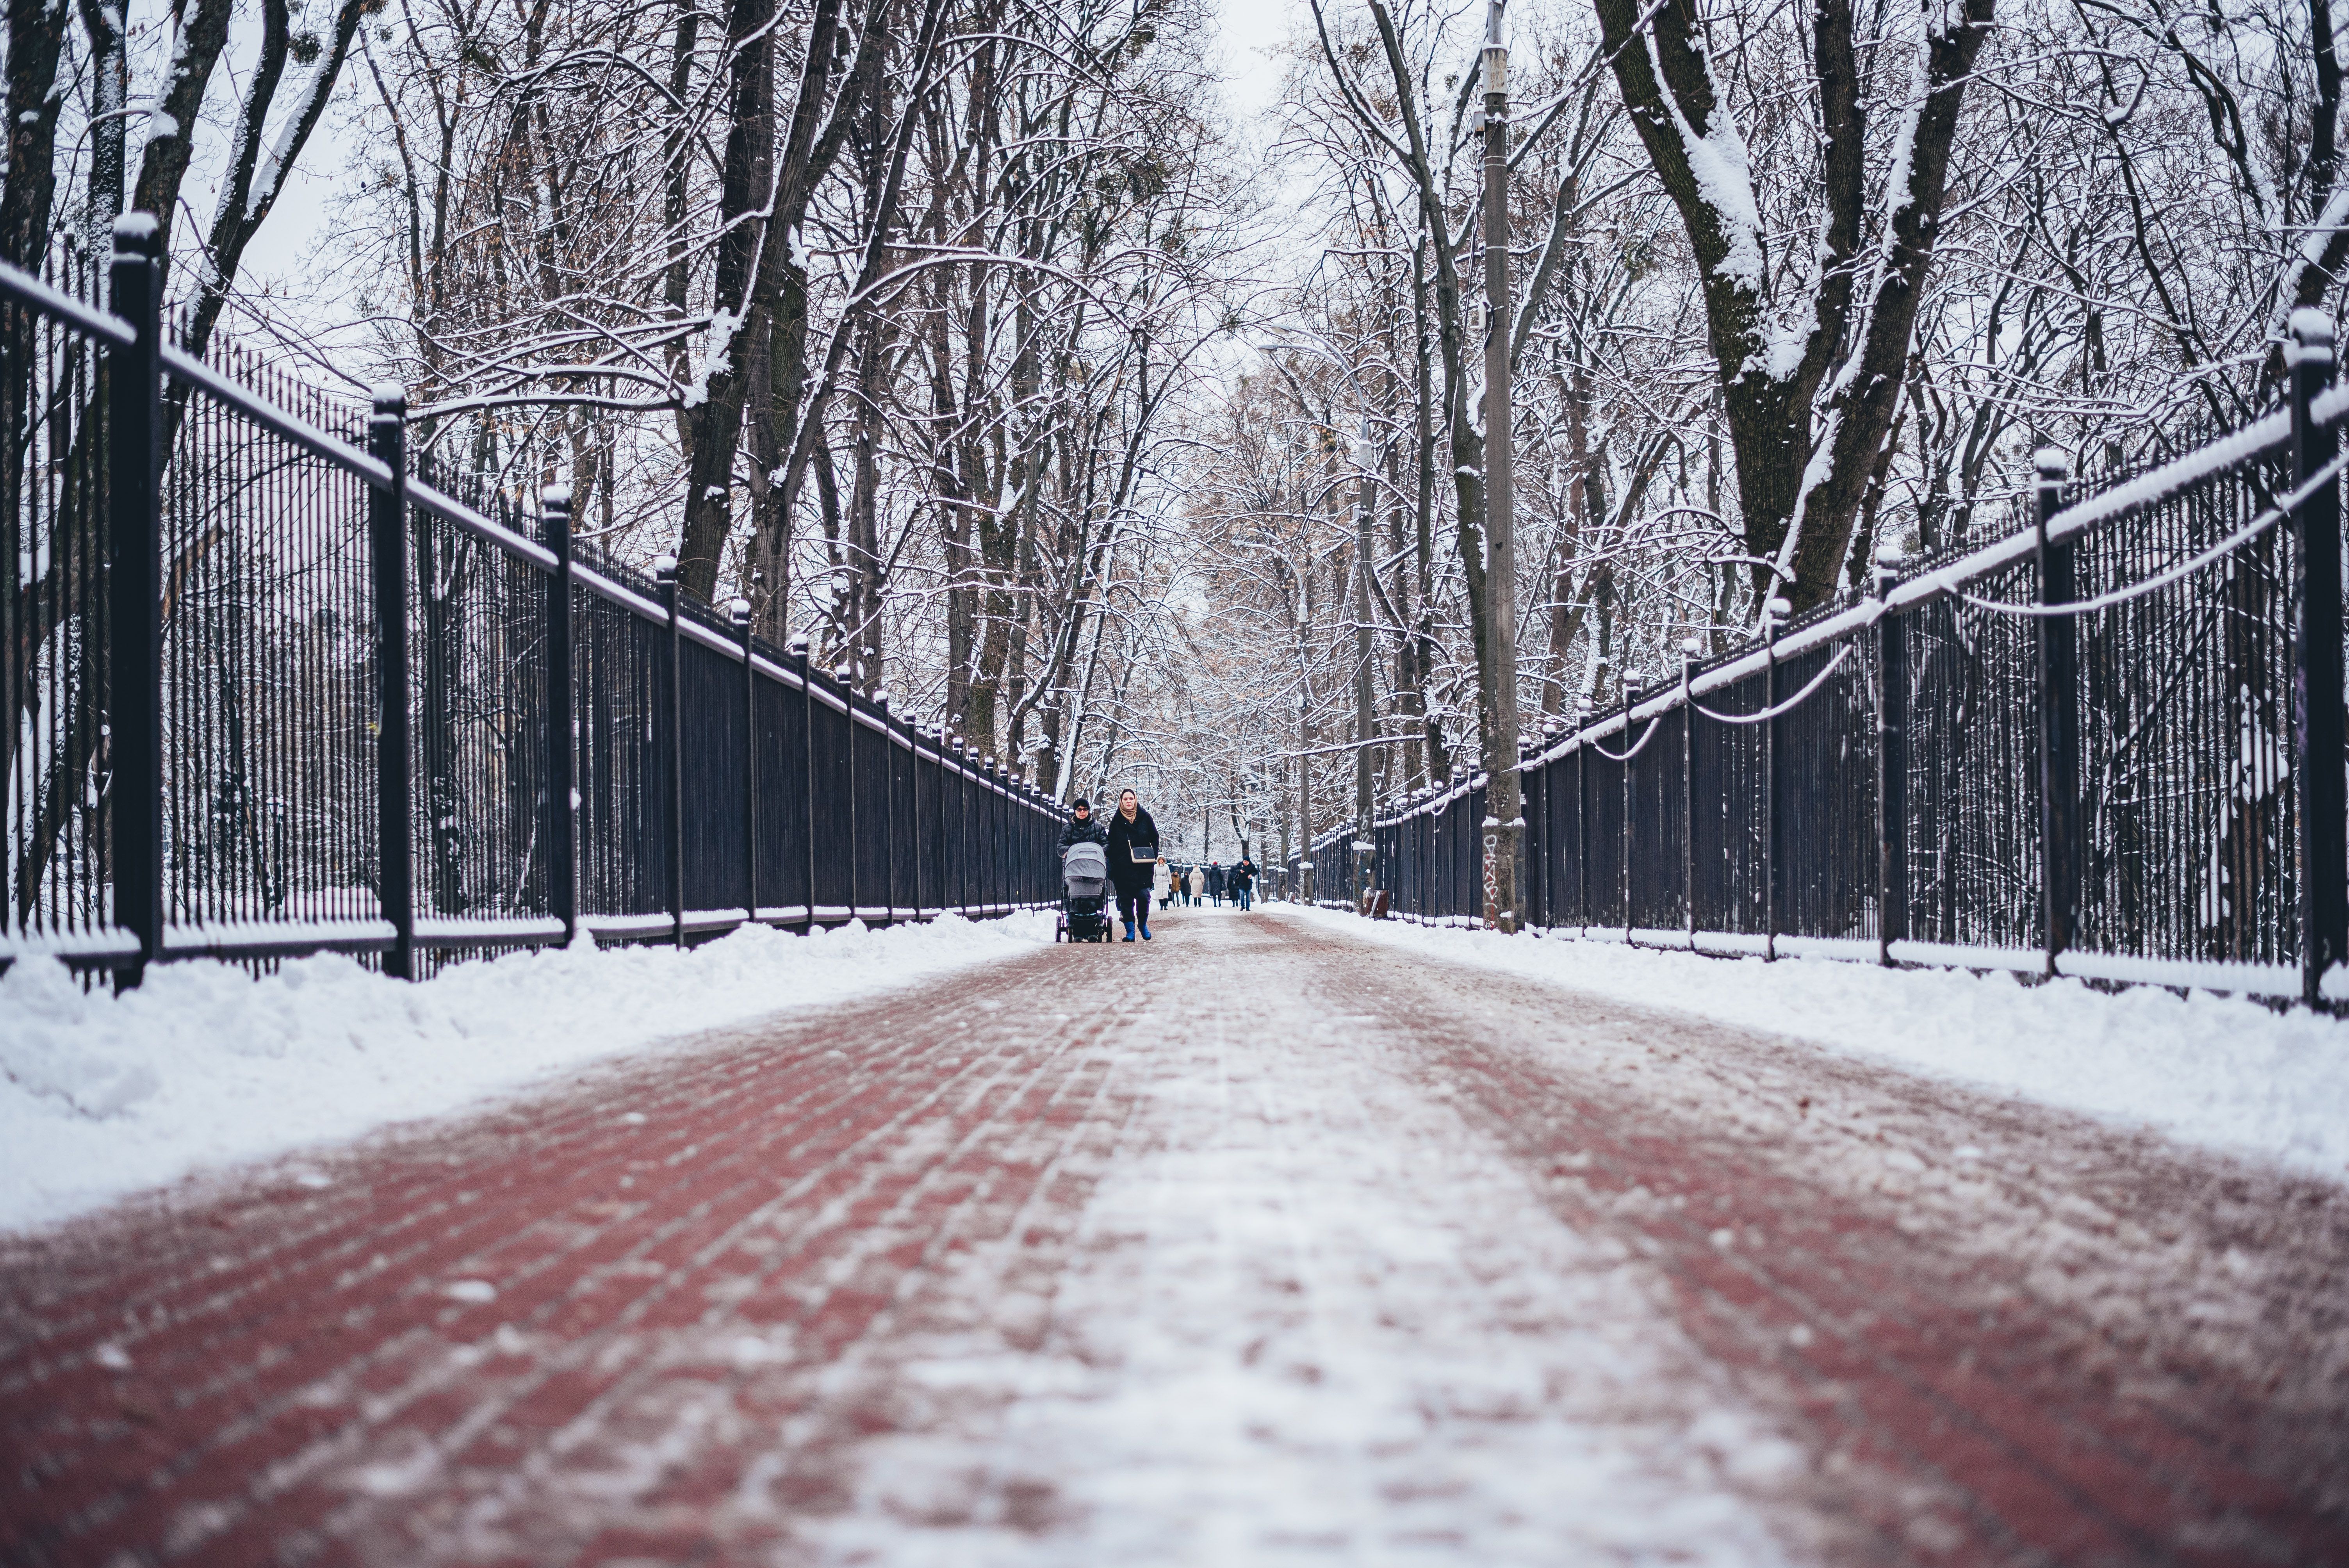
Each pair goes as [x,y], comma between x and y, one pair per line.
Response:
[1198,884]
[1243,878]
[1215,884]
[1083,828]
[1134,860]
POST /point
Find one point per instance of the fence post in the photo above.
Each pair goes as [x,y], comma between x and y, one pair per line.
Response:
[1774,618]
[673,742]
[394,788]
[740,610]
[1582,816]
[562,742]
[1891,764]
[135,525]
[1689,650]
[2317,764]
[1635,692]
[2059,718]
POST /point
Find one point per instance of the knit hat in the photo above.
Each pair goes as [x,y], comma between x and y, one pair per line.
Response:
[1084,804]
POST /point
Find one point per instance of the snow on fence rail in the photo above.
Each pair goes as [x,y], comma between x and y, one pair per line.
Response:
[2147,789]
[271,693]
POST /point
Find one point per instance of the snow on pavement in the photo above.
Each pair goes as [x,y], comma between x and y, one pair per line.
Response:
[204,1064]
[2215,1071]
[1311,1317]
[1254,1245]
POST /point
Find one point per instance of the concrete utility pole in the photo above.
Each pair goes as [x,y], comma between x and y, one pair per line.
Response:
[1505,823]
[1366,463]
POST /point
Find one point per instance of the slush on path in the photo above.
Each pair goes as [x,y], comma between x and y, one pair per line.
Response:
[1263,1244]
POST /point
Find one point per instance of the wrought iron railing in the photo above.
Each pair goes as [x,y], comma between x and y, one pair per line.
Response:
[274,692]
[2108,744]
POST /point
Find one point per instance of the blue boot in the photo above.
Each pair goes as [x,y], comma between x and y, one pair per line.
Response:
[1145,928]
[1128,930]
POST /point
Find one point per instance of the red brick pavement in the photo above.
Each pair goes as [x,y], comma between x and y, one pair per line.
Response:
[708,1246]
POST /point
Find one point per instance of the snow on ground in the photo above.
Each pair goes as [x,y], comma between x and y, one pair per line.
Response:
[203,1065]
[1311,1317]
[2211,1070]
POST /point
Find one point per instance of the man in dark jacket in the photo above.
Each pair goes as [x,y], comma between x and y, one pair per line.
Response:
[1243,882]
[1133,833]
[1215,884]
[1082,828]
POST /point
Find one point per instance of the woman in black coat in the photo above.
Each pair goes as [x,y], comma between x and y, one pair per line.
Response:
[1131,829]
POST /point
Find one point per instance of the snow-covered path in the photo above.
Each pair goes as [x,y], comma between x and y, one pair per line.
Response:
[1260,1244]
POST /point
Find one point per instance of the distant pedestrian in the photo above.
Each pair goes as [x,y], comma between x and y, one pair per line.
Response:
[1243,879]
[1198,884]
[1215,884]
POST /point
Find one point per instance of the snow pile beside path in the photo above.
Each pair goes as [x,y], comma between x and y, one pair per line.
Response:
[101,1094]
[2207,1069]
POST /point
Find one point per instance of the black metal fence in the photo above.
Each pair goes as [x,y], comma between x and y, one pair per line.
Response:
[2108,744]
[275,693]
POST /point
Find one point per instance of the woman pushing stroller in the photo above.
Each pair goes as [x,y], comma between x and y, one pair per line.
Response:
[1084,878]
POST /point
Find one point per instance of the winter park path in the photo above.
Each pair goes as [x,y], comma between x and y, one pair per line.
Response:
[1260,1244]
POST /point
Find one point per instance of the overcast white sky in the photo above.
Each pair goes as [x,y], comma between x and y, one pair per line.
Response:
[1248,28]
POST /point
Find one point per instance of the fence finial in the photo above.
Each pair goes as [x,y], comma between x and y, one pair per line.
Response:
[738,611]
[2310,327]
[665,568]
[2053,463]
[136,233]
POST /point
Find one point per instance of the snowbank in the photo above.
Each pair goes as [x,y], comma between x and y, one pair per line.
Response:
[100,1095]
[2206,1070]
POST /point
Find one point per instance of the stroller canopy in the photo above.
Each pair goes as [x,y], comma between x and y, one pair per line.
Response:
[1085,862]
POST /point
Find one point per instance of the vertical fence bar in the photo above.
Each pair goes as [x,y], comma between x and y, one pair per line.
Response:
[1772,813]
[562,734]
[936,736]
[991,802]
[1891,765]
[845,675]
[2316,665]
[914,735]
[394,794]
[2059,717]
[135,526]
[1581,820]
[799,647]
[741,613]
[889,809]
[672,742]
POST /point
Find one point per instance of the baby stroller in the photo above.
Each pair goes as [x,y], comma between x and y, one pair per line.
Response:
[1084,914]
